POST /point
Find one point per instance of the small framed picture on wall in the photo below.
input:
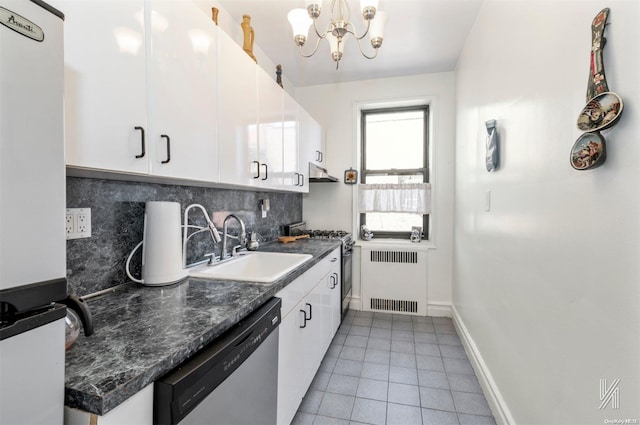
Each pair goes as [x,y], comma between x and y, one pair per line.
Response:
[350,176]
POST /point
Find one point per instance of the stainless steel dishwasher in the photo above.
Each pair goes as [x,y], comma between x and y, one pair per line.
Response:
[232,381]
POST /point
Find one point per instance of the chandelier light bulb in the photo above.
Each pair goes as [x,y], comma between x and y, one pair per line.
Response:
[376,32]
[314,7]
[300,23]
[368,8]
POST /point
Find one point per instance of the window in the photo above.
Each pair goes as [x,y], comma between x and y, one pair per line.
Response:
[395,150]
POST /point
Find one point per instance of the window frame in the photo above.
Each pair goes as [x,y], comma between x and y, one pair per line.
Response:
[395,172]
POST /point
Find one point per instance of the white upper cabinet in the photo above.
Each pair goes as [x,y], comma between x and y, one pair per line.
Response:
[182,70]
[312,143]
[237,115]
[296,170]
[140,93]
[270,134]
[105,84]
[154,87]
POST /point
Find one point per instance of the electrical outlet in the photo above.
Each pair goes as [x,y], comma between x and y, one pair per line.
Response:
[69,226]
[78,223]
[83,222]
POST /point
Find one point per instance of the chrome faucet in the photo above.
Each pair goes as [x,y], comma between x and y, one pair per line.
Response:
[186,236]
[242,237]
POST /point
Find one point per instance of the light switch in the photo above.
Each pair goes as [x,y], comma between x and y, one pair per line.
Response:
[487,201]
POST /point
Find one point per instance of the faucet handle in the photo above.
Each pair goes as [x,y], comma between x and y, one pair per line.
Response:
[212,258]
[253,243]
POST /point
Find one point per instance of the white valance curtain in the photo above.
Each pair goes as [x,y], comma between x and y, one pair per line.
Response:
[407,198]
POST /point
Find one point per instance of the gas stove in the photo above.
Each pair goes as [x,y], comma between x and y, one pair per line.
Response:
[300,228]
[343,235]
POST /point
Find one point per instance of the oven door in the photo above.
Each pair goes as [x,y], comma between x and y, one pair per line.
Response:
[346,278]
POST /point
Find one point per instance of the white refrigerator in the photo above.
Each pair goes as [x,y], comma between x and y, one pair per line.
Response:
[32,213]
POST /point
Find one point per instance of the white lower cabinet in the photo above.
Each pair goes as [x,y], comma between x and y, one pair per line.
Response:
[310,317]
[333,299]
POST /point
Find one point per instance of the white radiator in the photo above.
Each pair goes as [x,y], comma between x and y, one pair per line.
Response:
[394,281]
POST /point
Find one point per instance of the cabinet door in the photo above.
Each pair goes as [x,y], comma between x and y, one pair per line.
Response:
[291,358]
[324,295]
[294,178]
[335,303]
[105,84]
[311,139]
[269,131]
[237,114]
[182,62]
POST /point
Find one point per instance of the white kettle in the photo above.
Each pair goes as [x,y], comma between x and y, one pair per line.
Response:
[161,245]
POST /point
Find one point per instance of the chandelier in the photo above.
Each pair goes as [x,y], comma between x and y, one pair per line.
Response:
[339,27]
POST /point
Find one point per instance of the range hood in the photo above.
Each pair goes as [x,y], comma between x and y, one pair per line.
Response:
[319,175]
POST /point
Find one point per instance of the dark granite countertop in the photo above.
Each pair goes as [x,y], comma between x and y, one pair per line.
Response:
[141,333]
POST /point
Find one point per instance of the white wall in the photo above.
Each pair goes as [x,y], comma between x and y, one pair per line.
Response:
[548,282]
[330,205]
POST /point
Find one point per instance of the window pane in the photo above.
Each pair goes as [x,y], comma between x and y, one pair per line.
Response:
[395,140]
[392,222]
[413,178]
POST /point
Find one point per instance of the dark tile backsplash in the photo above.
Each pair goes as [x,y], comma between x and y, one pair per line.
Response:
[117,217]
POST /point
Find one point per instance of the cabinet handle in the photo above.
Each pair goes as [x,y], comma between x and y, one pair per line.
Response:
[164,136]
[302,178]
[321,157]
[332,285]
[143,152]
[334,259]
[304,317]
[318,156]
[310,312]
[335,275]
[257,176]
[297,183]
[266,171]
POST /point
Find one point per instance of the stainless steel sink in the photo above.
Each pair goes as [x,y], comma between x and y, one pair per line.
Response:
[252,267]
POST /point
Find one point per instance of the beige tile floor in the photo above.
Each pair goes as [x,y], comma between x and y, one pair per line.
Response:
[391,369]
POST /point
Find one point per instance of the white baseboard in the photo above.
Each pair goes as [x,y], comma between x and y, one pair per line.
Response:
[355,304]
[498,406]
[439,310]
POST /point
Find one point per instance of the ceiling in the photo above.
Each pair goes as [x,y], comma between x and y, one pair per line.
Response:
[421,36]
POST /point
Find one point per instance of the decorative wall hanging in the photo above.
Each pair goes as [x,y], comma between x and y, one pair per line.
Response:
[350,176]
[493,152]
[603,108]
[249,36]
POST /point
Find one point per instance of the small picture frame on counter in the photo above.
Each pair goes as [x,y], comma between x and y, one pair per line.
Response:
[416,234]
[350,176]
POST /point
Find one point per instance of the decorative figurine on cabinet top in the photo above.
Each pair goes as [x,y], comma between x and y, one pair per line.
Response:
[214,14]
[249,36]
[279,75]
